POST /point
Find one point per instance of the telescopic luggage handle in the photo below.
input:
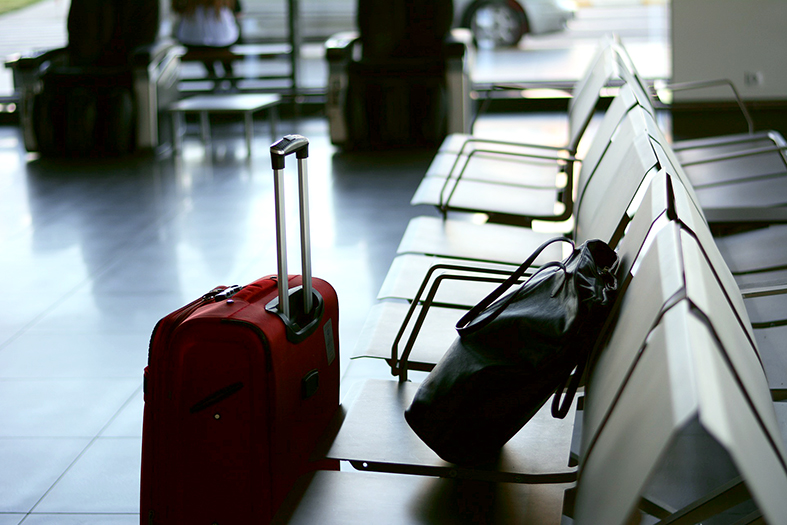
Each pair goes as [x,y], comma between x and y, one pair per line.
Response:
[285,146]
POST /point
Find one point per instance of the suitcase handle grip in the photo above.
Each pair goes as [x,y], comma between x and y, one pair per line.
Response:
[288,144]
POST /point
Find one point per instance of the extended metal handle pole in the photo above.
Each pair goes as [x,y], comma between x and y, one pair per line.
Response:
[306,255]
[281,242]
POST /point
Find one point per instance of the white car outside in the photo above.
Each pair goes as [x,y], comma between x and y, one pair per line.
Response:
[497,23]
[494,22]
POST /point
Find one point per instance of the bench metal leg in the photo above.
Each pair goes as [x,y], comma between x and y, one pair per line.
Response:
[249,121]
[273,117]
[177,134]
[204,127]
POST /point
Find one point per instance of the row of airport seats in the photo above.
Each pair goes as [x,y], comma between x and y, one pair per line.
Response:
[681,418]
[727,172]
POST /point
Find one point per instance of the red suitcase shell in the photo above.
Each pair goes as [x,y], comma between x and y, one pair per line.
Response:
[236,398]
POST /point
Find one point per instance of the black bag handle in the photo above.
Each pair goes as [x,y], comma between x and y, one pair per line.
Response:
[462,326]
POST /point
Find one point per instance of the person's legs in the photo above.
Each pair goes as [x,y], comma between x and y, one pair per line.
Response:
[211,62]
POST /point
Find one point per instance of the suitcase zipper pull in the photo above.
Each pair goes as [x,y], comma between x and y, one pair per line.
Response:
[211,295]
[228,292]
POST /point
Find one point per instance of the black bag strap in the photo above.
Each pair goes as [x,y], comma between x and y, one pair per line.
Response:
[462,326]
[560,409]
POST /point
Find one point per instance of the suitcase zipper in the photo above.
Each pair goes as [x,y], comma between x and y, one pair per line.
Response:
[219,293]
[179,315]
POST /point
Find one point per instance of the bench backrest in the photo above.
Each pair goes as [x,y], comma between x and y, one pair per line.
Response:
[610,66]
[681,428]
[608,189]
[689,212]
[630,75]
[588,91]
[678,378]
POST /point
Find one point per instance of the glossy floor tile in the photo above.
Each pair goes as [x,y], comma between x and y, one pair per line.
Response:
[81,519]
[31,466]
[104,480]
[127,422]
[55,407]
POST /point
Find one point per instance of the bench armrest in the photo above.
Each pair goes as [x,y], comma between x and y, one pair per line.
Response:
[155,52]
[339,47]
[34,61]
[763,291]
[427,299]
[458,42]
[746,215]
[702,84]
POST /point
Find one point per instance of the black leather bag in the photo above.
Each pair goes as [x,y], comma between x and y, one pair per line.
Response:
[513,353]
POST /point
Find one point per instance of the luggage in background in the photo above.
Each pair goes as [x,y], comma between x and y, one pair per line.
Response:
[240,386]
[83,99]
[85,112]
[395,94]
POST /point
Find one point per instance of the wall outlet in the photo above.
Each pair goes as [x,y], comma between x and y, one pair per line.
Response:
[753,78]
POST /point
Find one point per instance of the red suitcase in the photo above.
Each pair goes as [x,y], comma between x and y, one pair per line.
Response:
[239,387]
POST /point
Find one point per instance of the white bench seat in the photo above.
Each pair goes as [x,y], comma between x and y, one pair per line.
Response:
[245,104]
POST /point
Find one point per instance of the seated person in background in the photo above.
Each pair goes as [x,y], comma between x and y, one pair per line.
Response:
[206,26]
